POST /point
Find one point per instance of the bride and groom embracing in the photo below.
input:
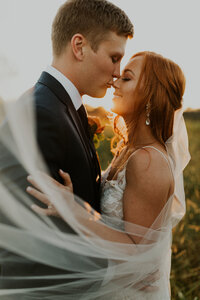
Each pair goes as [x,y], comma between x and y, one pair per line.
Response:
[124,218]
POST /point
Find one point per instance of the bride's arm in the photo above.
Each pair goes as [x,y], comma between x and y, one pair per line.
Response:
[147,189]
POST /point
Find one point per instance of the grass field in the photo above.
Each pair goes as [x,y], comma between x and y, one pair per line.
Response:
[185,274]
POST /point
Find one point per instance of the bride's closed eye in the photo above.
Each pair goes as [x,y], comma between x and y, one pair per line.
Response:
[125,78]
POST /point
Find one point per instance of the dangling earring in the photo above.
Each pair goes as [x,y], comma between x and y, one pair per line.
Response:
[148,114]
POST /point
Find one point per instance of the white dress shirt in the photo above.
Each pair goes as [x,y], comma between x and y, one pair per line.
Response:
[68,86]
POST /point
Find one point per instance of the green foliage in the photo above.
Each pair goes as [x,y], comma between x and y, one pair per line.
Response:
[185,274]
[104,151]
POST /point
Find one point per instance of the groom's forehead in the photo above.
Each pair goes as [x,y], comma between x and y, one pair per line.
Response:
[114,42]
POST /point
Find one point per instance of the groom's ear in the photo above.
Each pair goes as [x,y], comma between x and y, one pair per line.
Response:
[78,43]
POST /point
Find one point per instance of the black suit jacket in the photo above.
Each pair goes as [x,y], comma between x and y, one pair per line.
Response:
[65,145]
[63,140]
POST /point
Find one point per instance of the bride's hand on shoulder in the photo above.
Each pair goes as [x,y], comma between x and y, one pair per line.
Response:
[36,192]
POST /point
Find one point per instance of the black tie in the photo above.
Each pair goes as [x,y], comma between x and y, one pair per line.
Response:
[84,119]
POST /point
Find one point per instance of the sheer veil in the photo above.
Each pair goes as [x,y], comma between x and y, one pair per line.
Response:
[91,267]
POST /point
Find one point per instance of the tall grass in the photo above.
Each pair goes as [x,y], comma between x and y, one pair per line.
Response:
[185,275]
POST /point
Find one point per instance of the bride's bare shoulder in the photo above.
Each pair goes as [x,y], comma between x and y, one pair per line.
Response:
[148,186]
[149,163]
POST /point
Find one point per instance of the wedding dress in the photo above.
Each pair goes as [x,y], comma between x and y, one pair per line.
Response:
[95,267]
[112,205]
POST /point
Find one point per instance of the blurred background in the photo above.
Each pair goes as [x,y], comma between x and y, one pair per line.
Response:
[170,28]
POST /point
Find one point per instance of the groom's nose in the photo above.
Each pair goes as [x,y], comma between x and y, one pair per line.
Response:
[116,73]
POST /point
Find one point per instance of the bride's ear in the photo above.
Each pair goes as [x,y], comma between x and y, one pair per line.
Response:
[78,43]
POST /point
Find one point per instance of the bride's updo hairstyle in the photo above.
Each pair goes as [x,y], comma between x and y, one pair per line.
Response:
[161,86]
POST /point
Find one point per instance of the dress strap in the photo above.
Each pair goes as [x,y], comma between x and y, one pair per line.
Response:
[158,151]
[163,155]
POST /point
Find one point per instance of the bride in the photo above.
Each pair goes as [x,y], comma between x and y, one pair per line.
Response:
[124,253]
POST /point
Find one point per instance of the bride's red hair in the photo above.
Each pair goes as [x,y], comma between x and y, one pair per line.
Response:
[162,84]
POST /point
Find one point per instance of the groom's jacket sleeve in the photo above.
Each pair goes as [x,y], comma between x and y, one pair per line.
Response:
[50,136]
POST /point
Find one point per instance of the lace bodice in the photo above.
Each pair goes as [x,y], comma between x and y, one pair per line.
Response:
[112,193]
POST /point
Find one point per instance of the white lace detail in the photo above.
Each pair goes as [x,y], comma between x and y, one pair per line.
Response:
[112,193]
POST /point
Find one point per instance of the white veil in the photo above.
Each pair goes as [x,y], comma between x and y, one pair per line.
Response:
[88,266]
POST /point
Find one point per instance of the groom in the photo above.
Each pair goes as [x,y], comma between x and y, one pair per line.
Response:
[88,39]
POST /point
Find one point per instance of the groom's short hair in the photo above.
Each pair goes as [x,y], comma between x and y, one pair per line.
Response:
[91,18]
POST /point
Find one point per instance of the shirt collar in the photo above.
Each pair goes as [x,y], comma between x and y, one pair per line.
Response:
[68,86]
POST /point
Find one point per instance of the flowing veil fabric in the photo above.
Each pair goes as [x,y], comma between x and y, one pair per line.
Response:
[96,267]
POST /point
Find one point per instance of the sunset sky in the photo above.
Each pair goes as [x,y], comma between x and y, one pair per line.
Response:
[169,27]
